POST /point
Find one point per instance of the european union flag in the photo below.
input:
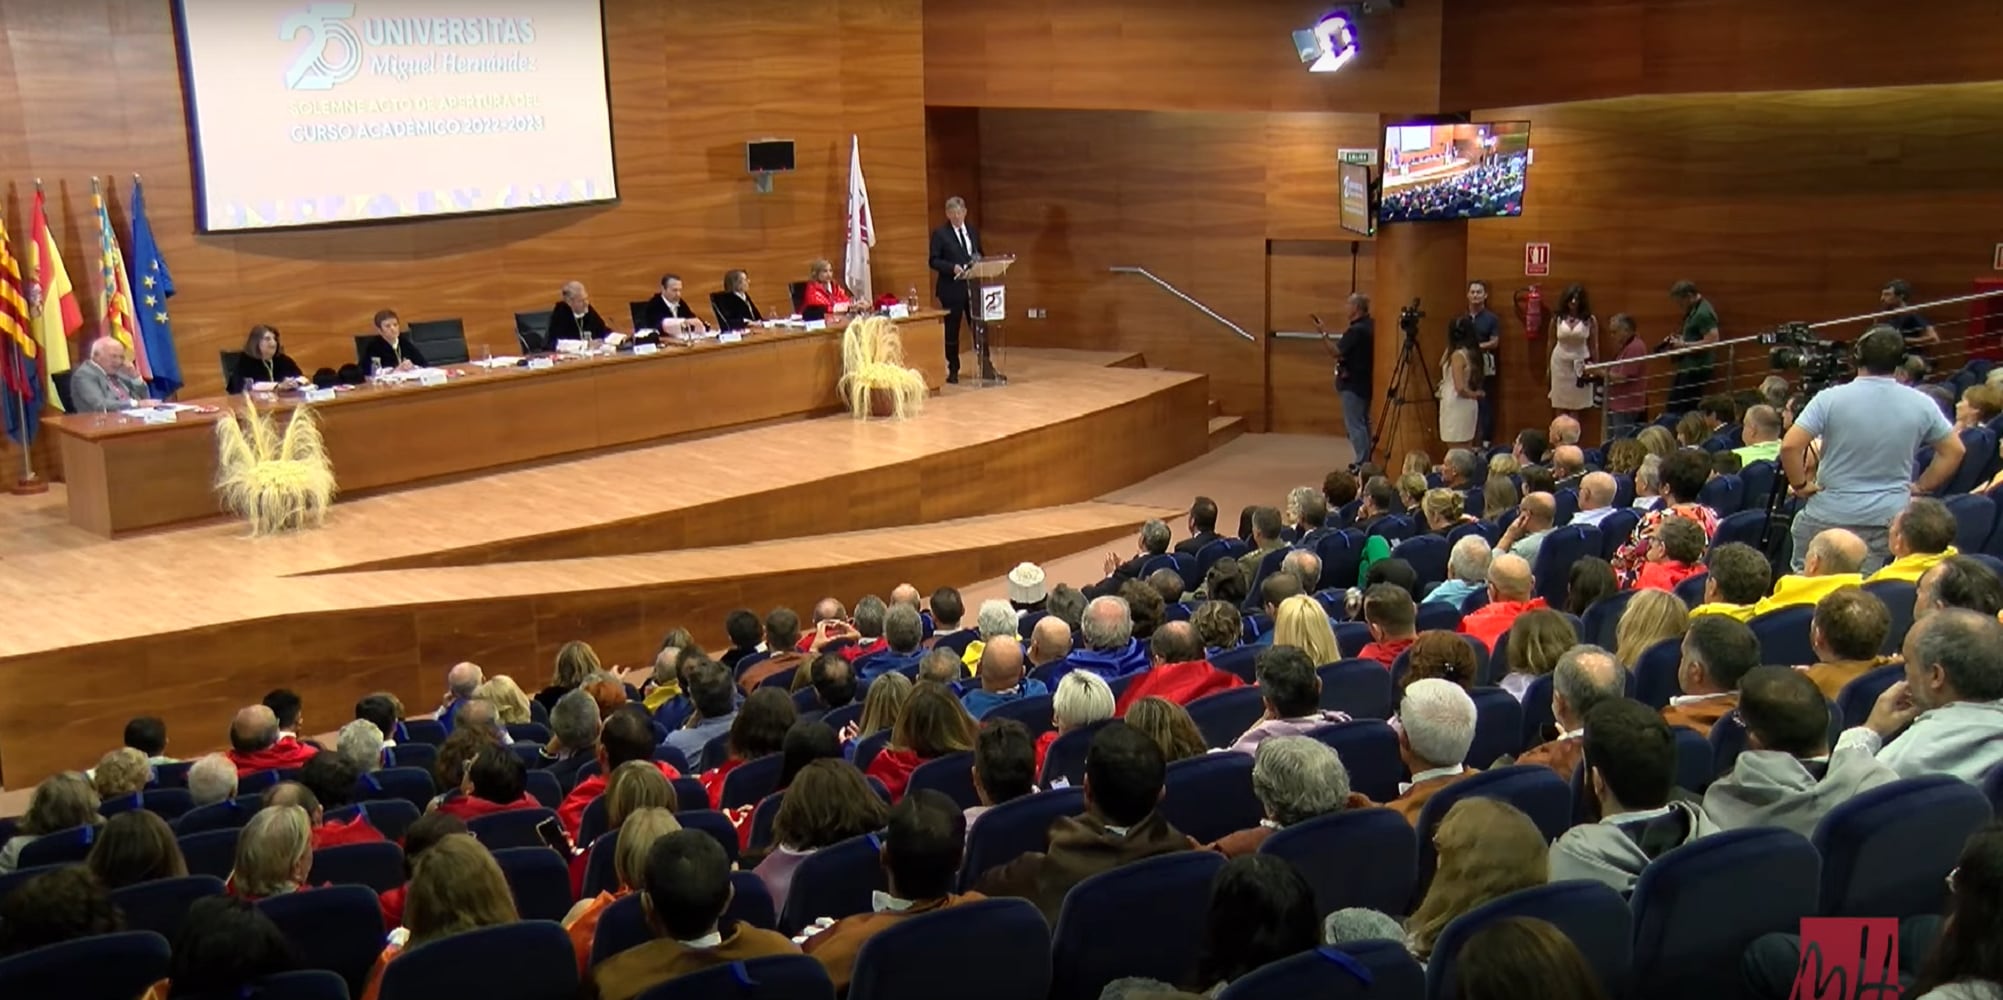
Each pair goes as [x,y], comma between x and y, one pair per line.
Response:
[152,286]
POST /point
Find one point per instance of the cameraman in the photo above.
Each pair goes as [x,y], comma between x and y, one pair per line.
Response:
[1352,373]
[1870,429]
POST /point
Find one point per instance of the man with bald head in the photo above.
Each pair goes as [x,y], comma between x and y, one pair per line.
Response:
[1510,594]
[1179,671]
[1762,430]
[1585,676]
[255,744]
[1596,498]
[1568,464]
[1304,566]
[1534,520]
[1834,557]
[1110,650]
[107,383]
[1564,429]
[1049,642]
[460,683]
[573,318]
[1002,678]
[1958,582]
[484,716]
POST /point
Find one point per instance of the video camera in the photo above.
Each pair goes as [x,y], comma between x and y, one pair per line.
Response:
[1822,363]
[1409,317]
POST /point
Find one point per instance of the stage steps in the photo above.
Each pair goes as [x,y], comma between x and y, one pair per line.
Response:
[1224,429]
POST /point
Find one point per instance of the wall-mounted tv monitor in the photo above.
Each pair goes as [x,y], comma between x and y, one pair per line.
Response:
[1437,173]
[1356,214]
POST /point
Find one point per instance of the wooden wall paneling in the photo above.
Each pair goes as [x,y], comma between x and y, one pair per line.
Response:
[1497,52]
[1170,55]
[1426,260]
[1780,206]
[952,165]
[1313,277]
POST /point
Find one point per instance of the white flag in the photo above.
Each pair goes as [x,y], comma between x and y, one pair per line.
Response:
[861,229]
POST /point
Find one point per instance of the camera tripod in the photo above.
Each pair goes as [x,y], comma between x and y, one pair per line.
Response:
[1401,392]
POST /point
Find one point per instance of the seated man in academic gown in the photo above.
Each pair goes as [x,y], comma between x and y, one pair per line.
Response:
[390,348]
[668,312]
[573,318]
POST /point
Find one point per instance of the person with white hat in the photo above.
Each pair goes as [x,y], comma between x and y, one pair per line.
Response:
[1025,588]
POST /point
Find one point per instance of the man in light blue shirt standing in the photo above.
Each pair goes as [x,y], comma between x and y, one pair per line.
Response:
[1870,428]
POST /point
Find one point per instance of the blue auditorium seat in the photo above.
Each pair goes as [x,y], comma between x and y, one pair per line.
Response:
[528,960]
[1356,857]
[1591,914]
[1210,797]
[909,960]
[1016,827]
[1097,939]
[1359,688]
[1376,970]
[1885,851]
[1697,907]
[1369,751]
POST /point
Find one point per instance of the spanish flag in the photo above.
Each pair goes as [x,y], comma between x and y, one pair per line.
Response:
[49,286]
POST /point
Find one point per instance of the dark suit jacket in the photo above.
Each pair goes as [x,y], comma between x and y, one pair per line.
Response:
[563,324]
[1195,543]
[251,369]
[405,350]
[733,313]
[947,253]
[658,312]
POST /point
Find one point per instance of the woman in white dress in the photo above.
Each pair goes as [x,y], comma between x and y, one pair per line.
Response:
[1460,390]
[1571,348]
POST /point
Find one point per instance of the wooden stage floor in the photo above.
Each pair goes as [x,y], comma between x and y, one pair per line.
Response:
[616,548]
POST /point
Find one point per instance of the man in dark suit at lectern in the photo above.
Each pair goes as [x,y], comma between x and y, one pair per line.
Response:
[954,246]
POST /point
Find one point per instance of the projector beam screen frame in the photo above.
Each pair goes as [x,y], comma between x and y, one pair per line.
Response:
[599,189]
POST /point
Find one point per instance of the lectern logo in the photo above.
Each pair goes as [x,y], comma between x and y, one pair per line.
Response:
[994,304]
[333,52]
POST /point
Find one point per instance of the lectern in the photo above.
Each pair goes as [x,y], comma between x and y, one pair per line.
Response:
[987,306]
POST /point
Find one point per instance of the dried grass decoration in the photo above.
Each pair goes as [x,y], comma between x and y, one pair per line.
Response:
[277,483]
[873,369]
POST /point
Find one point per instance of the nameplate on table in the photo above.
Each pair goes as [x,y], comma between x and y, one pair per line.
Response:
[155,415]
[538,364]
[317,395]
[639,349]
[731,337]
[898,311]
[566,346]
[817,324]
[431,376]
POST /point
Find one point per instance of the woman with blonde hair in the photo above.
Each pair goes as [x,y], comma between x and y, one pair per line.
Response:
[455,887]
[1169,726]
[274,854]
[634,786]
[1657,440]
[575,660]
[1692,431]
[1300,622]
[1444,511]
[1487,850]
[823,290]
[1980,403]
[1624,457]
[629,864]
[509,700]
[1411,488]
[1081,699]
[121,772]
[61,802]
[1536,640]
[1650,617]
[932,725]
[1498,495]
[1503,465]
[880,707]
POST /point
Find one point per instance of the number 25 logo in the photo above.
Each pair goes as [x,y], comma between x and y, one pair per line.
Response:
[327,23]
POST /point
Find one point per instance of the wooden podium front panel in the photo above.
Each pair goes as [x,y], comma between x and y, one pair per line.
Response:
[126,476]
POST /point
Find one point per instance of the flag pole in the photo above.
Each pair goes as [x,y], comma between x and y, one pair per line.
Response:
[29,484]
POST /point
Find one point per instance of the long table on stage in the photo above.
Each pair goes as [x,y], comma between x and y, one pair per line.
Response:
[126,475]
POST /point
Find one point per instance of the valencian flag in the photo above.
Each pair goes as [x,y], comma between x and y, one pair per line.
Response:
[20,374]
[52,303]
[115,318]
[151,287]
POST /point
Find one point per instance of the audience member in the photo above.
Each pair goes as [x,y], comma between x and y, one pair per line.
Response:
[1523,958]
[287,706]
[1467,572]
[1292,694]
[1964,963]
[687,891]
[1510,593]
[1675,554]
[1737,578]
[1499,496]
[1596,499]
[1262,910]
[1154,538]
[997,618]
[1631,769]
[1392,619]
[807,741]
[509,702]
[1435,726]
[1202,527]
[385,712]
[1002,679]
[255,743]
[1219,624]
[1921,536]
[931,726]
[1178,671]
[880,708]
[1355,923]
[636,785]
[460,683]
[629,867]
[1589,581]
[1586,675]
[1761,431]
[827,803]
[1300,622]
[331,780]
[1624,457]
[715,703]
[485,716]
[1787,776]
[1169,726]
[575,661]
[1536,640]
[1651,617]
[212,779]
[1265,538]
[223,947]
[921,863]
[573,743]
[782,631]
[948,610]
[1443,511]
[902,645]
[870,616]
[1026,592]
[424,834]
[66,904]
[61,802]
[758,730]
[626,736]
[1717,651]
[1224,581]
[148,735]
[1296,779]
[274,854]
[456,886]
[1049,642]
[1568,465]
[1076,704]
[135,846]
[360,743]
[1123,784]
[1460,471]
[1530,447]
[746,637]
[1958,582]
[1169,586]
[1004,765]
[1066,604]
[1304,566]
[1110,649]
[833,681]
[1276,589]
[1648,482]
[1948,712]
[1145,607]
[1538,479]
[1683,474]
[1534,520]
[119,773]
[1487,849]
[1849,627]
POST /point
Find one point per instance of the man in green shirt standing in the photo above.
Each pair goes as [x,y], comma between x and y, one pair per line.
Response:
[1700,326]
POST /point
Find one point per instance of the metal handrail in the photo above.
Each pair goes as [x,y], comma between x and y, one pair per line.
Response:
[1825,324]
[1184,296]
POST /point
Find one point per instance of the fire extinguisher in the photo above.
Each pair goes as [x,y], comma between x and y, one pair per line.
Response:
[1530,310]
